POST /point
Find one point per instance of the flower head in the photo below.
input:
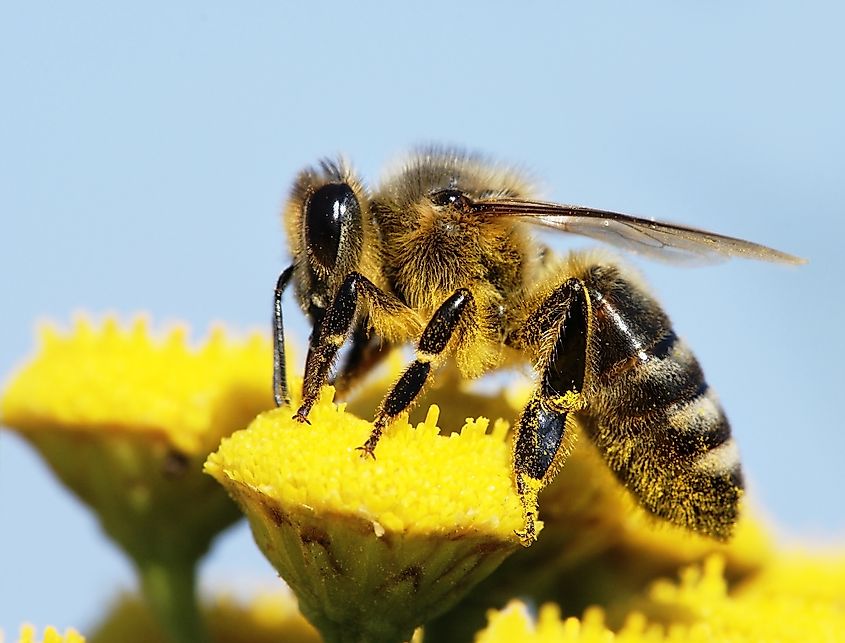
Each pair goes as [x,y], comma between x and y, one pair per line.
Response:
[373,548]
[126,421]
[700,607]
[116,380]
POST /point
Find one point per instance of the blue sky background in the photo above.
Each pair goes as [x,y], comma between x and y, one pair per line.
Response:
[145,154]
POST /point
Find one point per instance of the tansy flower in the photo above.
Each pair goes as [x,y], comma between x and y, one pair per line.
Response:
[373,548]
[126,421]
[51,635]
[701,608]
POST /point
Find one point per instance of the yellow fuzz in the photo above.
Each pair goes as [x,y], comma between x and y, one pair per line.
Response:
[569,401]
[122,380]
[373,547]
[51,635]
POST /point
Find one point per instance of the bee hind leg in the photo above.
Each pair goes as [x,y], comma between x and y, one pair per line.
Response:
[432,345]
[538,443]
[557,334]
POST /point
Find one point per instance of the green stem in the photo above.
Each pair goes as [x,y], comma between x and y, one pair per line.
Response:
[170,592]
[340,634]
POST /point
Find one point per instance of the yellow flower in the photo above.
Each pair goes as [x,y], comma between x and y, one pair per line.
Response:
[373,548]
[126,421]
[701,608]
[51,635]
[123,381]
[810,606]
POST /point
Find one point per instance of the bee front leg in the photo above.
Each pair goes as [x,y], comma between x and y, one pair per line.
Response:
[280,379]
[331,333]
[557,332]
[433,342]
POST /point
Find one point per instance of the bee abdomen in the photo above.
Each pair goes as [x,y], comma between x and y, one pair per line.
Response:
[665,391]
[656,421]
[679,459]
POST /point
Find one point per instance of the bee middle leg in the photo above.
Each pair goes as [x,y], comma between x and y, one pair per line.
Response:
[557,333]
[366,352]
[433,342]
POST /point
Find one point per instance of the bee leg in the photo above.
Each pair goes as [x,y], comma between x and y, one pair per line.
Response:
[558,329]
[538,439]
[365,353]
[433,342]
[330,334]
[280,379]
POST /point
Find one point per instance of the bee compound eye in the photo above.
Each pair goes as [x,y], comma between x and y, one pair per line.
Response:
[327,211]
[454,198]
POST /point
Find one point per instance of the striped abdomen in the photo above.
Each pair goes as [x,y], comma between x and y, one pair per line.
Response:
[652,415]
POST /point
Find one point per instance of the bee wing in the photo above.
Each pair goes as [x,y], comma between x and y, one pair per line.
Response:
[664,241]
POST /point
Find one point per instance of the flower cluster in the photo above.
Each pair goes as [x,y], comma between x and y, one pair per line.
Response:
[700,608]
[420,543]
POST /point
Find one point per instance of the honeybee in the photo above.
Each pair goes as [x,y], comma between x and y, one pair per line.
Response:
[441,253]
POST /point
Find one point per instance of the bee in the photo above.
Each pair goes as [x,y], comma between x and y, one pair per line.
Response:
[441,253]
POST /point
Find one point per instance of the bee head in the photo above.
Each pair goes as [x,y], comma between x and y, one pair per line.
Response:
[324,219]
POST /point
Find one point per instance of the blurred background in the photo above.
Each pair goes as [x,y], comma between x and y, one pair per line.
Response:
[145,155]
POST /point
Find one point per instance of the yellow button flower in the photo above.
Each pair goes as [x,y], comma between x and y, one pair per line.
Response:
[700,608]
[373,548]
[126,421]
[122,380]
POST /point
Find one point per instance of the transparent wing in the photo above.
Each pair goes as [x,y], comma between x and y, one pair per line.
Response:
[664,241]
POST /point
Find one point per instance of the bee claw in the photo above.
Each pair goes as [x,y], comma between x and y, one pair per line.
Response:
[299,416]
[528,536]
[366,451]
